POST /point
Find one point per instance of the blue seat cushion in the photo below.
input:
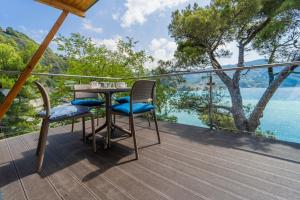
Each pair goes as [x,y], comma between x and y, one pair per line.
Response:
[125,99]
[136,107]
[87,102]
[65,111]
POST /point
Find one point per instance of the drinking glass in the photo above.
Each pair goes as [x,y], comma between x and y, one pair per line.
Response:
[105,84]
[94,84]
[101,85]
[121,85]
[112,85]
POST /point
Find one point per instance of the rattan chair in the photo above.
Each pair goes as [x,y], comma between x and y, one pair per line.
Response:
[56,114]
[126,99]
[86,99]
[142,99]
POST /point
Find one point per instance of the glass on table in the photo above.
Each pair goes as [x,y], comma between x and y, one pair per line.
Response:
[121,85]
[94,84]
[101,85]
[112,85]
[107,85]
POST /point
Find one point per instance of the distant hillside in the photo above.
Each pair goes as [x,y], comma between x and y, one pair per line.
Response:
[27,46]
[253,78]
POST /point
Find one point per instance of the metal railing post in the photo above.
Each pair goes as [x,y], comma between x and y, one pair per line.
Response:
[210,84]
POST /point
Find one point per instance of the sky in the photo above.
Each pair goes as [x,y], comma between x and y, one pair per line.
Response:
[108,21]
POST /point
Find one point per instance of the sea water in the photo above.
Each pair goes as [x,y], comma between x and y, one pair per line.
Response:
[281,116]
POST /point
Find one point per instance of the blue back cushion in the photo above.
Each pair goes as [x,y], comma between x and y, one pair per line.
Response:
[125,99]
[87,102]
[136,107]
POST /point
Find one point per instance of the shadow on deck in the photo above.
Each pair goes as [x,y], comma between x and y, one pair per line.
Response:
[191,163]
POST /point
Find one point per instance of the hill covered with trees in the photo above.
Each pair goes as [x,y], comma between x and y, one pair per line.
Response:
[25,47]
[16,49]
[256,78]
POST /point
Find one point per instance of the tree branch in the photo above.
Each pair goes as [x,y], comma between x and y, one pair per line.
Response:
[241,60]
[256,30]
[242,44]
[216,65]
[268,94]
[223,107]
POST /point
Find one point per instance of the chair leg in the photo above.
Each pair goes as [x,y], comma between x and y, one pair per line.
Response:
[148,118]
[42,146]
[156,127]
[133,136]
[114,122]
[129,124]
[109,131]
[83,130]
[94,134]
[73,122]
[40,138]
[97,116]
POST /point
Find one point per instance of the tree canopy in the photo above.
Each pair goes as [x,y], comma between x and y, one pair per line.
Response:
[202,34]
[86,57]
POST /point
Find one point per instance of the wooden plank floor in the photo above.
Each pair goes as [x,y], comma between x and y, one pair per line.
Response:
[191,163]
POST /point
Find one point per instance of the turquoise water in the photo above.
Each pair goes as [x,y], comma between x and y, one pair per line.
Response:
[281,116]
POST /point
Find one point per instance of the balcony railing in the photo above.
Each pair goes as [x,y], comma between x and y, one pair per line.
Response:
[198,98]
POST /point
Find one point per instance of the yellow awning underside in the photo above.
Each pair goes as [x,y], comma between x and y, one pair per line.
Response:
[77,7]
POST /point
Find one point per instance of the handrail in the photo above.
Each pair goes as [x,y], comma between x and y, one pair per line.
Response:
[208,71]
[61,75]
[165,75]
[217,70]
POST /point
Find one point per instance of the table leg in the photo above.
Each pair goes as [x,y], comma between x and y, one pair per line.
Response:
[108,119]
[103,126]
[98,130]
[107,123]
[122,129]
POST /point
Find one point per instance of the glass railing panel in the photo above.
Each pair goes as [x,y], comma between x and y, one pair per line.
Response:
[278,119]
[200,99]
[183,99]
[21,117]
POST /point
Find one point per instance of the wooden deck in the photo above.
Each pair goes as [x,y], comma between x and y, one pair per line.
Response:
[191,163]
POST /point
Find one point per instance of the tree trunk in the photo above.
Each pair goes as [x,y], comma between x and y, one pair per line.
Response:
[241,58]
[240,119]
[232,85]
[254,119]
[271,75]
[270,69]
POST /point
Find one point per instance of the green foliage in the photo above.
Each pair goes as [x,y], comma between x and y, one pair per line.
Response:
[85,57]
[15,51]
[26,47]
[81,57]
[202,33]
[279,40]
[9,58]
[200,30]
[266,134]
[200,103]
[20,118]
[166,91]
